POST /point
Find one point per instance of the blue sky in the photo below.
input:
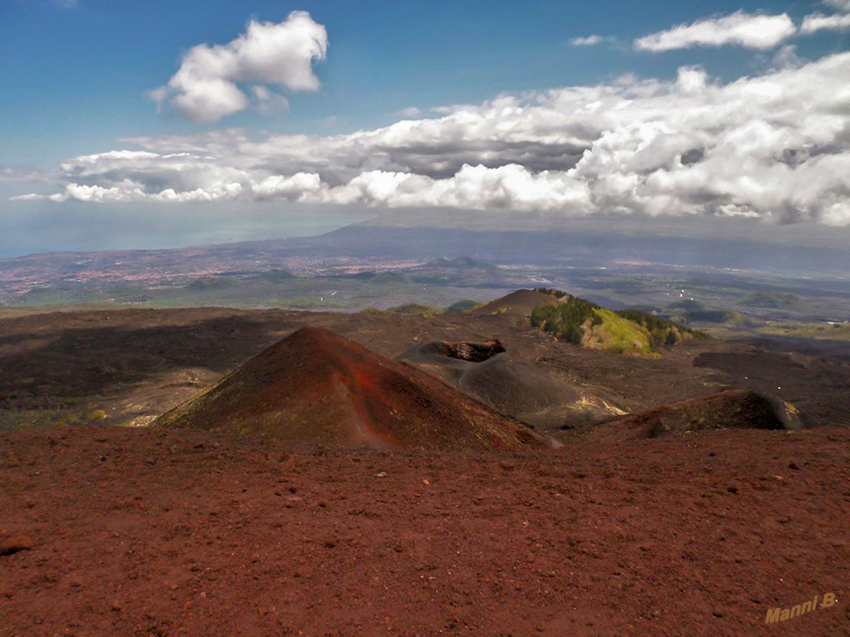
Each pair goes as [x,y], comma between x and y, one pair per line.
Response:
[72,80]
[74,76]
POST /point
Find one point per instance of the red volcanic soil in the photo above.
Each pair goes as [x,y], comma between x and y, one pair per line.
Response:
[733,409]
[140,532]
[520,302]
[316,387]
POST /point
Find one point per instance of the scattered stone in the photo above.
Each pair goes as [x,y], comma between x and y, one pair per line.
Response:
[732,489]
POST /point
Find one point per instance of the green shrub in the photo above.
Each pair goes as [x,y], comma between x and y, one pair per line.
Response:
[462,306]
[414,308]
[629,331]
[565,320]
[558,294]
[661,331]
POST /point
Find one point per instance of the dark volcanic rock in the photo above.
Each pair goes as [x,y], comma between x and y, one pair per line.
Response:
[465,351]
[734,409]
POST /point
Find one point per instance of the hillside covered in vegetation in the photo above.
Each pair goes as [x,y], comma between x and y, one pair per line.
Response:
[583,322]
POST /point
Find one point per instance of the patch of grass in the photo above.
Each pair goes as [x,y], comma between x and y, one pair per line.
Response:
[277,275]
[687,305]
[817,331]
[53,418]
[210,283]
[415,308]
[619,335]
[723,318]
[462,306]
[645,308]
[389,278]
[776,301]
[582,322]
[709,316]
[566,320]
[558,294]
[662,331]
[303,303]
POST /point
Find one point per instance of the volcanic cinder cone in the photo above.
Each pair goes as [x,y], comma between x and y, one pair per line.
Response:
[316,387]
[521,302]
[733,409]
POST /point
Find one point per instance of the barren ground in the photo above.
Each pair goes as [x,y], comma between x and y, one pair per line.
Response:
[146,532]
[136,364]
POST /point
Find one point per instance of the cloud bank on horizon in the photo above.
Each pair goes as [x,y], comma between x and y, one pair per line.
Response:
[773,146]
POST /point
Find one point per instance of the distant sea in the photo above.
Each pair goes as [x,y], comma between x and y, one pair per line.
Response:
[72,227]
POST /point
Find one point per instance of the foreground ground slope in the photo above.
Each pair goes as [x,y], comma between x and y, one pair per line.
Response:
[317,387]
[140,532]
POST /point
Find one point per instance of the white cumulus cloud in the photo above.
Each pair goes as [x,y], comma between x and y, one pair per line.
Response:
[509,187]
[773,146]
[206,86]
[269,102]
[755,31]
[590,40]
[819,22]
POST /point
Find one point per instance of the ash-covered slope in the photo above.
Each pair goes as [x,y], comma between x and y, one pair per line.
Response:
[486,370]
[316,387]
